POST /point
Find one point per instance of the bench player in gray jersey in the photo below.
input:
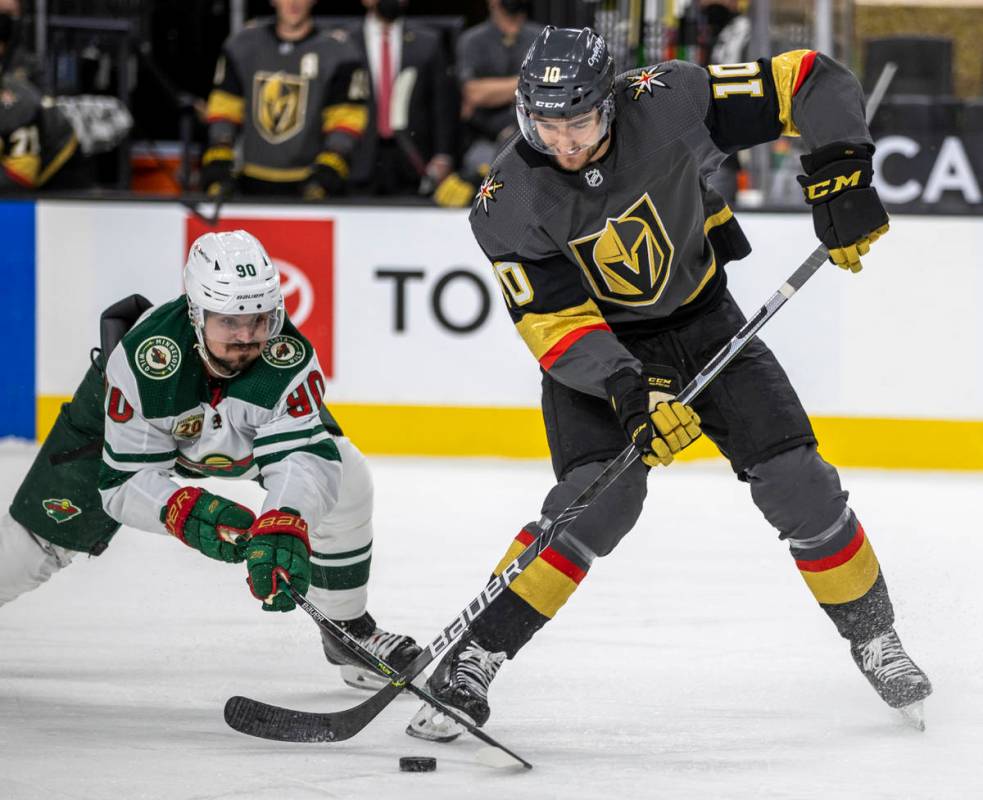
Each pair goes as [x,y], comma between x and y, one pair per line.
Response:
[292,94]
[609,248]
[217,383]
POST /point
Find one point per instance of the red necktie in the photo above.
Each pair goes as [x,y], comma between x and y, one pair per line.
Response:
[385,88]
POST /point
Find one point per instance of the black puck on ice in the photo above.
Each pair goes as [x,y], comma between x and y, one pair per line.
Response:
[417,764]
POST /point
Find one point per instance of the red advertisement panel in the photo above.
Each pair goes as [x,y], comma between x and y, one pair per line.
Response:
[303,251]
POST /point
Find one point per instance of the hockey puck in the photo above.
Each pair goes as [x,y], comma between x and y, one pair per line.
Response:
[417,764]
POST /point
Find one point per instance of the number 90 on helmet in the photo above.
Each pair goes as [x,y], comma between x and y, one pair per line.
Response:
[233,289]
[564,100]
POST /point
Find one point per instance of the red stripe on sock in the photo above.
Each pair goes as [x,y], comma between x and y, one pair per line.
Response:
[844,555]
[523,537]
[804,69]
[563,564]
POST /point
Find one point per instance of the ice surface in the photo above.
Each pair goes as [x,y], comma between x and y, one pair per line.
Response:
[692,663]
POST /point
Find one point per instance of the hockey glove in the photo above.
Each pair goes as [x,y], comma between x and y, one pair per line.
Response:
[657,425]
[329,176]
[847,213]
[208,523]
[454,192]
[279,544]
[217,178]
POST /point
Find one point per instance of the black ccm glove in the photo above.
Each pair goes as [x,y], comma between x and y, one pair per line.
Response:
[846,211]
[655,422]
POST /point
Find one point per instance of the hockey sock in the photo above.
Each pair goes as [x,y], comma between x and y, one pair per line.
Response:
[844,576]
[532,599]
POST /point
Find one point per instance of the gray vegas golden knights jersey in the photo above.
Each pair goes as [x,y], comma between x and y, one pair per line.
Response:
[293,101]
[164,416]
[636,242]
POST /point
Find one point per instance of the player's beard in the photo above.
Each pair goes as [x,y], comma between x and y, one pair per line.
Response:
[238,357]
[581,159]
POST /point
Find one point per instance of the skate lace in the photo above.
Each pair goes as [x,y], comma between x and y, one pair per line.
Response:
[886,658]
[476,667]
[382,643]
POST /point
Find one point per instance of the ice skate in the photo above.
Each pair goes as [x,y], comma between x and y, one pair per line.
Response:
[395,649]
[895,677]
[460,681]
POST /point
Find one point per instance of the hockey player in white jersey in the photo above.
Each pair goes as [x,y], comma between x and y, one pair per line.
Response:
[219,383]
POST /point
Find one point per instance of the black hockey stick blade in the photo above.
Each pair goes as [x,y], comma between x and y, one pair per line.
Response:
[341,636]
[255,718]
[261,719]
[339,725]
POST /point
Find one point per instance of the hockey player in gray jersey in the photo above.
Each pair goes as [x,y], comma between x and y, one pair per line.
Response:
[609,248]
[217,383]
[292,93]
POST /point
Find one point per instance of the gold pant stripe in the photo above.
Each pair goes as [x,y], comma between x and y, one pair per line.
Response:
[846,582]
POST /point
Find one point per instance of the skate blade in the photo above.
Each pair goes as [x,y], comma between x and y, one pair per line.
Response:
[433,726]
[914,715]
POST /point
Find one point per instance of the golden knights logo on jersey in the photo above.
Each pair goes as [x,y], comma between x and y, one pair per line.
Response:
[629,261]
[279,105]
[643,82]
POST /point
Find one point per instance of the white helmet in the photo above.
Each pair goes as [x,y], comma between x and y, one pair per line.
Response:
[230,274]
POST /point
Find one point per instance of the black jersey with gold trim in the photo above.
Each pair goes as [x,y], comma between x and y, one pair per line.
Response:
[36,138]
[637,240]
[293,101]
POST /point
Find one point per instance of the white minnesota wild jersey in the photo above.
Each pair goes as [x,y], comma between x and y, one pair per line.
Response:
[165,416]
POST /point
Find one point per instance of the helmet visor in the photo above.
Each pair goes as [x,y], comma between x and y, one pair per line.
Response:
[564,136]
[242,328]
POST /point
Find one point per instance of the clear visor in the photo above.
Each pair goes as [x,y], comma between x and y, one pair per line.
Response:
[242,328]
[564,137]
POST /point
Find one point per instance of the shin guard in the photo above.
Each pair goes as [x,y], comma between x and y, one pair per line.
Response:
[844,576]
[533,598]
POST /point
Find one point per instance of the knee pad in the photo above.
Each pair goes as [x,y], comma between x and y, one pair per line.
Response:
[608,518]
[799,493]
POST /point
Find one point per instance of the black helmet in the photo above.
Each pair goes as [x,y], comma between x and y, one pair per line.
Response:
[567,73]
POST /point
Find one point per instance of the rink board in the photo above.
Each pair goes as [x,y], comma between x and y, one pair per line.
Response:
[423,359]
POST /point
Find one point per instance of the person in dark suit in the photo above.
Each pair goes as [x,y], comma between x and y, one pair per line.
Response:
[409,140]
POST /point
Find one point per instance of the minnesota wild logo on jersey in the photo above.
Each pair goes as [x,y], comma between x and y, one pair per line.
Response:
[629,261]
[60,510]
[283,352]
[158,357]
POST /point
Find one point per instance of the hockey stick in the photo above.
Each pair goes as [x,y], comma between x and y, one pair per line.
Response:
[340,725]
[259,719]
[243,714]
